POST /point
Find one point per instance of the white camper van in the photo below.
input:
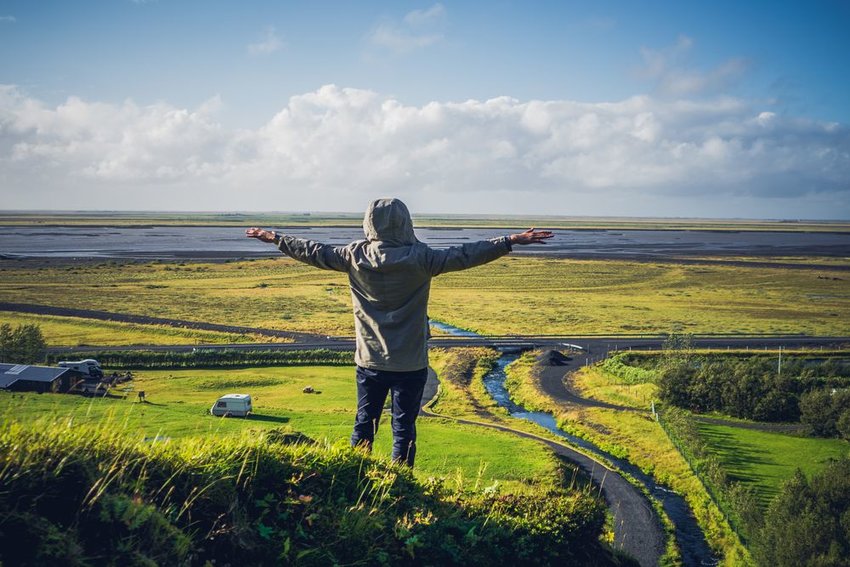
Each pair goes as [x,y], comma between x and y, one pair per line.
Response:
[88,367]
[236,405]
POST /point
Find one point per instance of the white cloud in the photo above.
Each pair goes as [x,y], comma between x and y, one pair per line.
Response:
[434,14]
[401,41]
[8,19]
[335,148]
[418,29]
[269,43]
[669,67]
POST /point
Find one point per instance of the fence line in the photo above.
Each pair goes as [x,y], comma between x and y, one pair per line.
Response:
[716,495]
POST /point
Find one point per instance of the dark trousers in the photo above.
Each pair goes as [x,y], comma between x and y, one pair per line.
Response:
[372,389]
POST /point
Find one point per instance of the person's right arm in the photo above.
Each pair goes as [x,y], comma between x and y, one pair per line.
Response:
[314,253]
[477,253]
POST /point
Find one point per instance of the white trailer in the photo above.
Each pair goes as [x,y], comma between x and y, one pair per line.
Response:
[232,405]
[87,367]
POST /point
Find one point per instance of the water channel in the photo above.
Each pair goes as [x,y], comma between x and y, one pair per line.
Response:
[689,536]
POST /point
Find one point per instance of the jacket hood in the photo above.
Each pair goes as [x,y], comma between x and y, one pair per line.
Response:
[388,220]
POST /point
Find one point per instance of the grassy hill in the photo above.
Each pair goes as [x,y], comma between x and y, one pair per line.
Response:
[92,495]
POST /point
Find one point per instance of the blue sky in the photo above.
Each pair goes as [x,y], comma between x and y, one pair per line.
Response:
[719,109]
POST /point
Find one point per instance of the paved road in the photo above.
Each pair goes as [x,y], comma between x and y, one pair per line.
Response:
[637,529]
[552,370]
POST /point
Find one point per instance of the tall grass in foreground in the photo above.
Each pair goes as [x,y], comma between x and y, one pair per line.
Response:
[83,495]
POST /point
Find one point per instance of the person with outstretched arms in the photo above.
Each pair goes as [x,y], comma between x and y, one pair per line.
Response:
[389,273]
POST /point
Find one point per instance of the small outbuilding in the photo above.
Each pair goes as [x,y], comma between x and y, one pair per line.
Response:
[29,378]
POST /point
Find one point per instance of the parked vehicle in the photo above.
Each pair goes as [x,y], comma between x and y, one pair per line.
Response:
[232,405]
[91,388]
[88,367]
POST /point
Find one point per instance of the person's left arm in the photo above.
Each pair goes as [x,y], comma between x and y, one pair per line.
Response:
[477,253]
[316,254]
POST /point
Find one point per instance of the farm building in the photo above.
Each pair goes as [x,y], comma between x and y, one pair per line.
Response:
[27,378]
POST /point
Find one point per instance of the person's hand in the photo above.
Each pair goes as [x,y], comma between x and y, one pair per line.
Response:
[531,236]
[260,234]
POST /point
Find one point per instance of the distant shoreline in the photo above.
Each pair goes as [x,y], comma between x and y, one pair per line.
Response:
[126,219]
[70,244]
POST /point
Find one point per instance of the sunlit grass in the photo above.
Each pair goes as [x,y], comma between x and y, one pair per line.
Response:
[262,498]
[599,297]
[76,331]
[631,435]
[565,297]
[178,403]
[462,391]
[765,459]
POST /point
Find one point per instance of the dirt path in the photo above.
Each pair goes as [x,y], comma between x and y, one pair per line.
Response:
[637,529]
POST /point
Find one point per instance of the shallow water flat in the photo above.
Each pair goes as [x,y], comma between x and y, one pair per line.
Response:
[212,243]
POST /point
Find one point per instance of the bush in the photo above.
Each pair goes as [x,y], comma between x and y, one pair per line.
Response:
[826,411]
[808,524]
[844,425]
[745,387]
[620,367]
[214,358]
[22,345]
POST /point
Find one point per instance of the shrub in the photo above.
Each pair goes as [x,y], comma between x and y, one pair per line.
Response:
[620,367]
[826,411]
[212,358]
[22,345]
[748,387]
[808,524]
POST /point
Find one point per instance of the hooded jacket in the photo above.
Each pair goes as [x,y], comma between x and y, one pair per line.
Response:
[389,274]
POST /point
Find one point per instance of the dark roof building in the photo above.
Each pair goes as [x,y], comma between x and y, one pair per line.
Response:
[28,378]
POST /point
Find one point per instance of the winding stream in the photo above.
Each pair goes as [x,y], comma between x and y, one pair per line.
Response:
[689,536]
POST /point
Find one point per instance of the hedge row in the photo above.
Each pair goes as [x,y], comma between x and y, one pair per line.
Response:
[209,358]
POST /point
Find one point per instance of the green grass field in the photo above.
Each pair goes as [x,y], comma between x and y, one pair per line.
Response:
[765,459]
[179,402]
[76,331]
[564,297]
[762,459]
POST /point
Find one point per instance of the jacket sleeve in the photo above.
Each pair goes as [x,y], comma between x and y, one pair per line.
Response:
[467,256]
[314,253]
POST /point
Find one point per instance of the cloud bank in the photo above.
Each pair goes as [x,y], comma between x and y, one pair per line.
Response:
[336,148]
